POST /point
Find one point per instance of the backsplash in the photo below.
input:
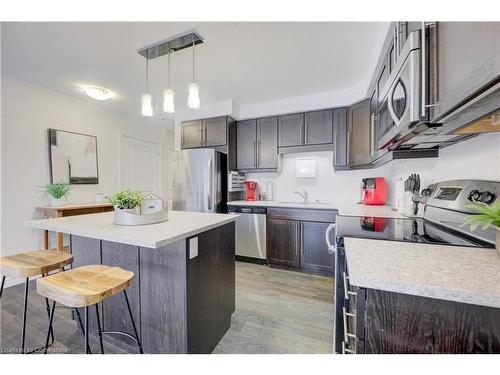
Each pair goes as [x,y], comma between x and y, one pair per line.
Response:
[477,158]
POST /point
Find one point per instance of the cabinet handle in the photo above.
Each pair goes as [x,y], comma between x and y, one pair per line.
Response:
[331,248]
[258,150]
[372,134]
[348,147]
[347,292]
[200,137]
[305,131]
[206,135]
[347,334]
[255,154]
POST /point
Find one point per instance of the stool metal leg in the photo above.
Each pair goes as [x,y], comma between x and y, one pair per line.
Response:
[99,330]
[86,318]
[50,327]
[48,315]
[25,309]
[133,323]
[1,288]
[79,317]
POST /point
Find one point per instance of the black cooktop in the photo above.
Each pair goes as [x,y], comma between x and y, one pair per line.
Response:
[406,230]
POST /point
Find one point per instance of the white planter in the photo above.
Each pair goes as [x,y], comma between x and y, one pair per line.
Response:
[134,217]
[57,202]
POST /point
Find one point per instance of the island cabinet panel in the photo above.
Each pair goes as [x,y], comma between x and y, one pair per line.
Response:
[210,287]
[163,298]
[114,309]
[401,323]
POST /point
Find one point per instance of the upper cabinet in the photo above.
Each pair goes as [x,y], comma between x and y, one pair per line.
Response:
[318,127]
[291,130]
[310,131]
[211,132]
[340,158]
[359,140]
[257,145]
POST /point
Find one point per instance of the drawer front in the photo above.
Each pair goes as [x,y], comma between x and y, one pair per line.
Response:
[324,216]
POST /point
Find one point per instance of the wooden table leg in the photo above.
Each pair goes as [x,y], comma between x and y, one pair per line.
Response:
[59,241]
[45,239]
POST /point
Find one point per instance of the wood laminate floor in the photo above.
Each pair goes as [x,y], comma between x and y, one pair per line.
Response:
[277,311]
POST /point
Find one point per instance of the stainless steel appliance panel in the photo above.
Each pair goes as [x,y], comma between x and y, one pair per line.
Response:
[250,231]
[197,180]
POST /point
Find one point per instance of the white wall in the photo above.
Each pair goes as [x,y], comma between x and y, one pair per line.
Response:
[27,112]
[477,158]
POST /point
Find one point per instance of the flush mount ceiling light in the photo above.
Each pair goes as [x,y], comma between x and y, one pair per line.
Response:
[166,47]
[98,93]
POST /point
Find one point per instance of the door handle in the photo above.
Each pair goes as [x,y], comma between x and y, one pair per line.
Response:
[331,248]
[210,178]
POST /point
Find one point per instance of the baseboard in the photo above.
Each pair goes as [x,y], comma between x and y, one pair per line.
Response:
[241,258]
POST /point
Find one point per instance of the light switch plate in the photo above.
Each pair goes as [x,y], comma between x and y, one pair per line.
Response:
[193,247]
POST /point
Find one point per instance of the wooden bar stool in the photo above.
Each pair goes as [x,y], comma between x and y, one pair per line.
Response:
[86,286]
[30,264]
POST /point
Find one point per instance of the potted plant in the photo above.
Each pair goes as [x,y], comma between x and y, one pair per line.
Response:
[56,191]
[127,200]
[487,216]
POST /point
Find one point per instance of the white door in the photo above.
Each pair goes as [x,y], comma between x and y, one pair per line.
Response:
[141,165]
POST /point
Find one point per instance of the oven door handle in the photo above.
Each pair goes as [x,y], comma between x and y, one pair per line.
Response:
[392,112]
[332,248]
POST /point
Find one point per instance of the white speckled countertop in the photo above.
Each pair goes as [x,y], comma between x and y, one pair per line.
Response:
[100,226]
[344,208]
[460,274]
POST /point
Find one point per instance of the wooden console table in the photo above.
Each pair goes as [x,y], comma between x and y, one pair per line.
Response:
[70,210]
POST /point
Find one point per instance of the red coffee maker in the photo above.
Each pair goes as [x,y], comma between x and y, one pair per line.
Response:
[374,191]
[251,187]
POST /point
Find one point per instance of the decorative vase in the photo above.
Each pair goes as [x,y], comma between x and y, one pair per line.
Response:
[56,202]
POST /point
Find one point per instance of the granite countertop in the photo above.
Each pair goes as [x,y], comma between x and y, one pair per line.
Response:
[100,226]
[344,208]
[454,273]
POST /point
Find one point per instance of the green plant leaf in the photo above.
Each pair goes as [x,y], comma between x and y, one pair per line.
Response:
[56,190]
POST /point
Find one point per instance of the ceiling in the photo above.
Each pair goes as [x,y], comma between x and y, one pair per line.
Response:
[244,62]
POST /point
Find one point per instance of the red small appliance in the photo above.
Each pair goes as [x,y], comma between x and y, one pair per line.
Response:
[374,191]
[251,187]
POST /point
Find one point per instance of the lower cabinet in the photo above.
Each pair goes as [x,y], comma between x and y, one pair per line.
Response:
[296,240]
[283,241]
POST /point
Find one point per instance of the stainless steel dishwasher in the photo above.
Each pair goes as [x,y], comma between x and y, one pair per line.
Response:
[250,232]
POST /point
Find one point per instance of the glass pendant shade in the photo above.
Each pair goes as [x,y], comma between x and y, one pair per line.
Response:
[147,105]
[168,101]
[193,95]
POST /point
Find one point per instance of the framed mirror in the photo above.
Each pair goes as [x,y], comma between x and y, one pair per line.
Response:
[73,157]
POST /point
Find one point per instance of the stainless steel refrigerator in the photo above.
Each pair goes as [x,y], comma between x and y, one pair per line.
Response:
[200,181]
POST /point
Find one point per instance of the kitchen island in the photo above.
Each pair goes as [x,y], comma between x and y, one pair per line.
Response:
[183,292]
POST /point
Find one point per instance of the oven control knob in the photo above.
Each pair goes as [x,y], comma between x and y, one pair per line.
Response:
[474,195]
[487,197]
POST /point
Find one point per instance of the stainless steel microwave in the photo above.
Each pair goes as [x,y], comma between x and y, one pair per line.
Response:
[400,100]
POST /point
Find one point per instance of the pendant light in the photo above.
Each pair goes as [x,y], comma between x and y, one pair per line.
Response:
[146,98]
[193,100]
[168,93]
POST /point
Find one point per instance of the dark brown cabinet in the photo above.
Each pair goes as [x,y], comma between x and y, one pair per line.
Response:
[296,239]
[257,144]
[305,131]
[291,130]
[358,136]
[283,241]
[340,159]
[314,256]
[209,132]
[318,127]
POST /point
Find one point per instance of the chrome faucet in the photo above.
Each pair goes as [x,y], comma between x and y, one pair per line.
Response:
[304,195]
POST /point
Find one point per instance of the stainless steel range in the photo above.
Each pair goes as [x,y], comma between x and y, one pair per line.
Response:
[445,209]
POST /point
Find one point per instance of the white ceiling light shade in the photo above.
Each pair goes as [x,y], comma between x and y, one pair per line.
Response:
[146,98]
[168,94]
[147,105]
[98,93]
[193,100]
